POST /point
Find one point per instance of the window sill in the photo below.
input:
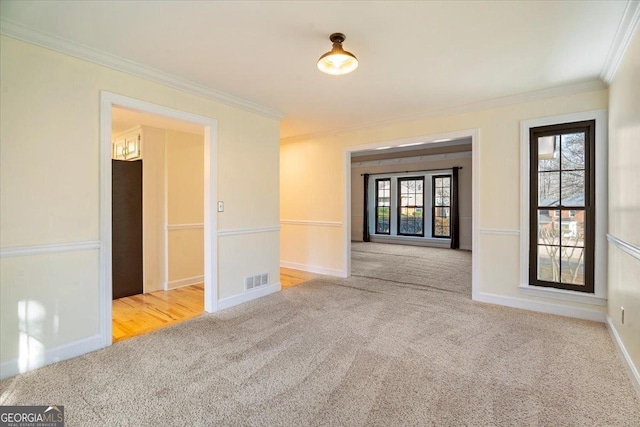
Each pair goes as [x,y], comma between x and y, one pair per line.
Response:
[411,240]
[419,238]
[563,294]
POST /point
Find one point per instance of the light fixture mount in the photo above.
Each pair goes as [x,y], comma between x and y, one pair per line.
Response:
[337,61]
[337,38]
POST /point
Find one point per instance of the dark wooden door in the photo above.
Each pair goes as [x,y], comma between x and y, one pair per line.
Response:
[126,228]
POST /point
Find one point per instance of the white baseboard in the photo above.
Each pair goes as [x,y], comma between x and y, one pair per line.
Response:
[248,296]
[631,368]
[543,307]
[312,268]
[13,367]
[184,282]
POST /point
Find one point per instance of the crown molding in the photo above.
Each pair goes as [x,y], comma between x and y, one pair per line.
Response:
[59,44]
[621,41]
[570,89]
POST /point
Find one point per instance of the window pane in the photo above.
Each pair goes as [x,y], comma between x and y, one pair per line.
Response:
[444,221]
[572,265]
[572,151]
[410,221]
[548,227]
[383,202]
[548,263]
[410,210]
[383,220]
[548,189]
[573,188]
[441,203]
[572,226]
[548,153]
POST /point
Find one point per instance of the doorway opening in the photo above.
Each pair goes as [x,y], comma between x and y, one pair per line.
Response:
[157,222]
[158,217]
[400,197]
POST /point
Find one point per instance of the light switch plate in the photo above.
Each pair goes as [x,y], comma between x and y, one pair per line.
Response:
[220,206]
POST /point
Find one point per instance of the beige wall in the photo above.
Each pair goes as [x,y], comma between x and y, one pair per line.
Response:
[624,197]
[50,191]
[185,206]
[464,188]
[153,208]
[313,187]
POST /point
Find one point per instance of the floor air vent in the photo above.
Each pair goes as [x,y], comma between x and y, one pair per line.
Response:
[256,281]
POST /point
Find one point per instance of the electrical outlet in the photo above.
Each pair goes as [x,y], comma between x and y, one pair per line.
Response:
[220,206]
[622,314]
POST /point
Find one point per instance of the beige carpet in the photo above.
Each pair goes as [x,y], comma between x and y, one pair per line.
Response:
[408,349]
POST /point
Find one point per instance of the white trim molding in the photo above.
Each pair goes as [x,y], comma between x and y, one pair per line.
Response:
[562,294]
[312,268]
[599,297]
[627,247]
[474,135]
[237,231]
[499,232]
[181,283]
[542,307]
[172,227]
[59,44]
[623,37]
[248,296]
[415,159]
[311,223]
[49,249]
[51,355]
[632,370]
[108,100]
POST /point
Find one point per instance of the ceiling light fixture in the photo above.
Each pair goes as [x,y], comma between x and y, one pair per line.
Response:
[337,61]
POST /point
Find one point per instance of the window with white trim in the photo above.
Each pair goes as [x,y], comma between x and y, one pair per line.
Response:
[401,205]
[564,212]
[562,183]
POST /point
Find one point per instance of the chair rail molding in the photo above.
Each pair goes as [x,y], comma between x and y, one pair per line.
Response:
[237,231]
[498,231]
[171,227]
[627,247]
[49,248]
[311,223]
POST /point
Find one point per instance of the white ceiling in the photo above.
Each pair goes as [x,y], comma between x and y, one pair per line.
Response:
[416,57]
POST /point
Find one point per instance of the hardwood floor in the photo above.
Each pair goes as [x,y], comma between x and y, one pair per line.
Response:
[139,314]
[290,277]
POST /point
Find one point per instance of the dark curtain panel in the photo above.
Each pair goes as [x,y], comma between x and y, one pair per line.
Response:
[455,214]
[365,210]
